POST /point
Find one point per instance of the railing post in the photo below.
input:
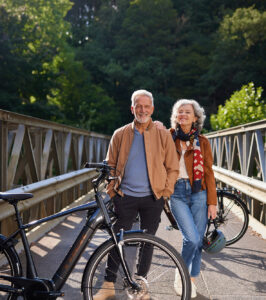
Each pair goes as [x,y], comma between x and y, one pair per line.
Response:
[3,155]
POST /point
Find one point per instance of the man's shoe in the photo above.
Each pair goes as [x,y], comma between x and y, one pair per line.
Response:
[193,290]
[106,292]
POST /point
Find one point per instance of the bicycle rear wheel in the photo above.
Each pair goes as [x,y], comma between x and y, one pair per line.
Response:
[159,282]
[232,217]
[9,266]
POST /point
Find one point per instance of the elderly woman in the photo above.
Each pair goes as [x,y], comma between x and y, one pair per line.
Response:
[194,198]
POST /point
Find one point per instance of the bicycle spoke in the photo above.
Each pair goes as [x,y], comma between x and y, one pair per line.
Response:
[159,269]
[5,269]
[158,282]
[233,220]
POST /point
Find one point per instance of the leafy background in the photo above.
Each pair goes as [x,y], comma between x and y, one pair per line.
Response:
[79,62]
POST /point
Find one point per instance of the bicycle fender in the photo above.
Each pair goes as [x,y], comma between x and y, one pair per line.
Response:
[133,231]
[225,193]
[6,243]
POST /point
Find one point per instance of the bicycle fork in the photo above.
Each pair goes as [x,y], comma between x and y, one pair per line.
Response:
[118,243]
[119,246]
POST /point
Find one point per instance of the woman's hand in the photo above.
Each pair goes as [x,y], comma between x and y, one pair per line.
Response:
[159,125]
[212,212]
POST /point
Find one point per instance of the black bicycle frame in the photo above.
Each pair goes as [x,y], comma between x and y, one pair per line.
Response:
[70,260]
[73,255]
[98,215]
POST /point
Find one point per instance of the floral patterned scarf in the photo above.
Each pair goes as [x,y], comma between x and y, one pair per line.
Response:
[198,169]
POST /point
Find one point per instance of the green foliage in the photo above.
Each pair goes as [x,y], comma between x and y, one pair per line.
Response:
[84,104]
[244,106]
[33,33]
[78,62]
[42,76]
[239,56]
[98,114]
[246,25]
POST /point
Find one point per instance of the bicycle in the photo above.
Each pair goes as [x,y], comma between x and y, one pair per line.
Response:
[159,283]
[232,215]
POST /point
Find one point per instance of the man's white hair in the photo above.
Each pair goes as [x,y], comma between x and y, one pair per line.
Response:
[139,93]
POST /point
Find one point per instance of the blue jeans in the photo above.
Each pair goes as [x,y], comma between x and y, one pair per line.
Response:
[190,212]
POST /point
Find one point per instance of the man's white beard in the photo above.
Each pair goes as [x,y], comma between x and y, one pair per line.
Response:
[142,121]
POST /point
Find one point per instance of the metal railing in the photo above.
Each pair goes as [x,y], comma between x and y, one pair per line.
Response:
[240,161]
[32,149]
[50,196]
[44,158]
[33,152]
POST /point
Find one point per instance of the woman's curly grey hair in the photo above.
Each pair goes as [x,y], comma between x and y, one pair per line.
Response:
[198,110]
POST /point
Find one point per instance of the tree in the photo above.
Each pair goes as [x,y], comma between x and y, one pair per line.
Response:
[83,103]
[33,33]
[174,48]
[244,106]
[9,63]
[198,74]
[42,76]
[144,53]
[239,57]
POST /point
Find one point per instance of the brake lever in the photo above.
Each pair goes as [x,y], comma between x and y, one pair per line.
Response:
[110,178]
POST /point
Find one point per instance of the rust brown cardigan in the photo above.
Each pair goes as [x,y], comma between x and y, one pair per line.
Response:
[162,163]
[208,180]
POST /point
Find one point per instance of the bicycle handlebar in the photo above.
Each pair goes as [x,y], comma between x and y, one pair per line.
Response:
[102,165]
[104,170]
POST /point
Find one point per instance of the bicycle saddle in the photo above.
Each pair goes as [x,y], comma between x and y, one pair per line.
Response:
[11,198]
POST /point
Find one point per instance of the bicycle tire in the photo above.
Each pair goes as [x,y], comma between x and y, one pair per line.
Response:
[159,283]
[233,218]
[9,265]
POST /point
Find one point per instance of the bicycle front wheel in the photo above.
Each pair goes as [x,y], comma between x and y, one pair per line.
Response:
[232,217]
[166,266]
[9,266]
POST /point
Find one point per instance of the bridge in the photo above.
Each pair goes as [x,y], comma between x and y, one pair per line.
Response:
[240,161]
[46,159]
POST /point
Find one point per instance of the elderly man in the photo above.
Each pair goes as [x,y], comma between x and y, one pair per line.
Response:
[147,169]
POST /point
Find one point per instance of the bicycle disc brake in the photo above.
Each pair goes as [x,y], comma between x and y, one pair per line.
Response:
[135,294]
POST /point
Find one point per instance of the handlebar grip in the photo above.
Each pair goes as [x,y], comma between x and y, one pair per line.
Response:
[95,165]
[104,166]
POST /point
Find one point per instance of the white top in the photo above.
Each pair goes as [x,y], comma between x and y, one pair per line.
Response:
[182,166]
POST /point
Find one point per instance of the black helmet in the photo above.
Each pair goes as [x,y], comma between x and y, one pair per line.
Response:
[214,241]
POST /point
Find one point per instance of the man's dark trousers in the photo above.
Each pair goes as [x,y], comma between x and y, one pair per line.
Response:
[127,209]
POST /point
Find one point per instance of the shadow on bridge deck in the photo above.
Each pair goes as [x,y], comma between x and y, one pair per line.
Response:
[238,272]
